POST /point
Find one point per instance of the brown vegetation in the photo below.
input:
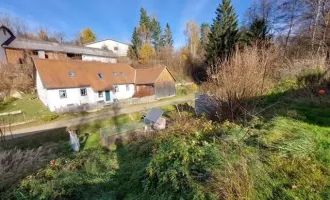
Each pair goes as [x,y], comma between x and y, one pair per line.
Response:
[250,73]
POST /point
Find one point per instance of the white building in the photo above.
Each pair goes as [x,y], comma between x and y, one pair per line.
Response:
[70,83]
[119,48]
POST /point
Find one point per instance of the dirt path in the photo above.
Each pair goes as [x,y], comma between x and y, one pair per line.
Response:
[99,116]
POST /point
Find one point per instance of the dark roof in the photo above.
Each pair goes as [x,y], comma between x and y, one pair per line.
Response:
[12,36]
[22,43]
[108,39]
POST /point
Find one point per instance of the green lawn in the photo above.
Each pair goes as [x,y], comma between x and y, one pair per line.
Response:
[32,108]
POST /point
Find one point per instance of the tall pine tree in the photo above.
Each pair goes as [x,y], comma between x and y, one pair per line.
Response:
[136,45]
[167,37]
[223,36]
[156,32]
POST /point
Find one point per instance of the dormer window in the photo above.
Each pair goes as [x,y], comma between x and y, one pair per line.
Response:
[71,74]
[100,75]
[115,73]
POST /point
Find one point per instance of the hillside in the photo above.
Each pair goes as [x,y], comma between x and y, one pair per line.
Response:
[266,158]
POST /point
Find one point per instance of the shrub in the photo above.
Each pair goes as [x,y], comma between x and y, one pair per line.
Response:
[181,91]
[249,74]
[311,80]
[49,117]
[16,164]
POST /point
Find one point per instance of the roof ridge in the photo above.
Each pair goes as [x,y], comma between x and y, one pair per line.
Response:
[62,44]
[106,40]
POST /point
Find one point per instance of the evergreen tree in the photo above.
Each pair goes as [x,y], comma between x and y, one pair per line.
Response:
[156,34]
[136,45]
[144,18]
[223,36]
[167,37]
[145,27]
[205,31]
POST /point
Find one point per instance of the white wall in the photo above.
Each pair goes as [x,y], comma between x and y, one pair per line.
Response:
[4,36]
[42,92]
[111,44]
[98,58]
[123,93]
[73,97]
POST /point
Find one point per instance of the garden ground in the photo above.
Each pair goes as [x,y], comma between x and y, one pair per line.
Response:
[282,154]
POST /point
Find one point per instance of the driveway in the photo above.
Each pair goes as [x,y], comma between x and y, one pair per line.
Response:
[100,116]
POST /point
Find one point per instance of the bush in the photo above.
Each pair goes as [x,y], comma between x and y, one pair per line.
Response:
[312,79]
[249,74]
[181,91]
[16,164]
[49,117]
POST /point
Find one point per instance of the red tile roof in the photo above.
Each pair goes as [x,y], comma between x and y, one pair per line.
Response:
[54,74]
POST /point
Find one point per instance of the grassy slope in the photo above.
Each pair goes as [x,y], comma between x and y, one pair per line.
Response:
[285,157]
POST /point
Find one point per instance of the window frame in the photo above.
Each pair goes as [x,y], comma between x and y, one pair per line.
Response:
[100,75]
[82,93]
[127,88]
[63,92]
[116,88]
[116,48]
[100,94]
[71,74]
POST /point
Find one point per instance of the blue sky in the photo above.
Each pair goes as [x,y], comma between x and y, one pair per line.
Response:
[114,18]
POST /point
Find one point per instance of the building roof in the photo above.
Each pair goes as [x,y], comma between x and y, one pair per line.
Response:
[55,74]
[23,43]
[148,76]
[107,40]
[12,36]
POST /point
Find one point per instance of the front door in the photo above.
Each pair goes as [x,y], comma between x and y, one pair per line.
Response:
[107,95]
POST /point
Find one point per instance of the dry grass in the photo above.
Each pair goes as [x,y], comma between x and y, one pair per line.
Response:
[16,163]
[250,73]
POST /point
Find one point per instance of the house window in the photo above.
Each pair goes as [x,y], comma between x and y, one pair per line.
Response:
[127,87]
[114,73]
[116,89]
[46,56]
[83,92]
[100,75]
[115,48]
[122,73]
[63,94]
[4,32]
[100,94]
[71,74]
[35,53]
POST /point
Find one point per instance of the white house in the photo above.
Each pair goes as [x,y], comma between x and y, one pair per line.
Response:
[64,83]
[119,48]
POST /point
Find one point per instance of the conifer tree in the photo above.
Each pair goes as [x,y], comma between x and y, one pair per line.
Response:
[223,36]
[156,34]
[136,45]
[167,37]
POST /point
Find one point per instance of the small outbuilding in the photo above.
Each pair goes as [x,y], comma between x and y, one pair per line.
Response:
[155,81]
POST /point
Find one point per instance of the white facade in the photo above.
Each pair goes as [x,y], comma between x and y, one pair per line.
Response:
[99,58]
[119,48]
[53,100]
[4,36]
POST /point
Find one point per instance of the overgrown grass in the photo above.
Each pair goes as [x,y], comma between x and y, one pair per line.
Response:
[285,155]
